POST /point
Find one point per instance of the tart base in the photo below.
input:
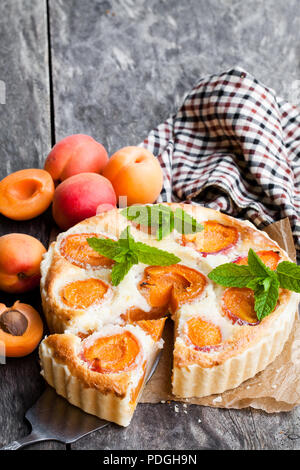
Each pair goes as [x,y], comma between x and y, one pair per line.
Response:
[197,381]
[106,406]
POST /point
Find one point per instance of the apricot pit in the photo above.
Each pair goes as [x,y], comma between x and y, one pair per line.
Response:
[21,329]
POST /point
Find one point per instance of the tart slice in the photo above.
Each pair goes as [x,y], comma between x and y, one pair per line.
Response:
[103,373]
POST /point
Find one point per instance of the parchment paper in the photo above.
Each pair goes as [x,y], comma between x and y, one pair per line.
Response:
[275,389]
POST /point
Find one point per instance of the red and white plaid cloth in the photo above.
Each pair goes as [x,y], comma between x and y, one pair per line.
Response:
[233,145]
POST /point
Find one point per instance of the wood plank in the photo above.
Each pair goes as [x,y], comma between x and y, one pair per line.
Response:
[120,67]
[24,142]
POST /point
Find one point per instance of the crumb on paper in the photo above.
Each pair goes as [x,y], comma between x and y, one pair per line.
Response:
[217,399]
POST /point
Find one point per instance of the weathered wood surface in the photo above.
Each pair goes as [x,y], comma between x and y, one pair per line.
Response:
[119,67]
[24,143]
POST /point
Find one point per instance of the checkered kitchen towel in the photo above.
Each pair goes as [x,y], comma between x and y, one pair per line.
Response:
[234,146]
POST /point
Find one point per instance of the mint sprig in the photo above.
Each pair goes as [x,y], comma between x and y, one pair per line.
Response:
[162,219]
[261,279]
[289,276]
[126,252]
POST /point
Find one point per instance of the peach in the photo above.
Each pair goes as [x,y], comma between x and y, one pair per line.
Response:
[135,173]
[78,153]
[26,194]
[20,258]
[78,198]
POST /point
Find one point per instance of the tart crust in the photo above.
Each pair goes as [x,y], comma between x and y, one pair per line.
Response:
[110,396]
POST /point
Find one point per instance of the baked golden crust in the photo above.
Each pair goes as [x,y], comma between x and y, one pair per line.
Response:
[242,339]
[244,349]
[65,351]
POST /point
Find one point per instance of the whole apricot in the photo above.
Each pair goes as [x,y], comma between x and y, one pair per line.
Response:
[78,153]
[20,258]
[78,198]
[135,173]
[26,194]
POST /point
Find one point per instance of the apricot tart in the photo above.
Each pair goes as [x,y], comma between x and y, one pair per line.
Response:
[107,337]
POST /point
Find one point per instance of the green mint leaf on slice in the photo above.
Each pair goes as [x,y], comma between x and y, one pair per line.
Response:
[257,266]
[119,271]
[288,274]
[185,223]
[231,275]
[266,299]
[105,246]
[154,256]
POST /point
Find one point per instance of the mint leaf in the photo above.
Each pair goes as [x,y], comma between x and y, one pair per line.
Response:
[256,283]
[185,223]
[126,240]
[150,255]
[257,266]
[105,246]
[126,252]
[231,275]
[140,214]
[162,219]
[119,271]
[289,276]
[266,298]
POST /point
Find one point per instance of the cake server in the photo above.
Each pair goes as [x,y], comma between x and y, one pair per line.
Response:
[52,418]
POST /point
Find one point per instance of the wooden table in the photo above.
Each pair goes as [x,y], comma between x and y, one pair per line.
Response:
[115,69]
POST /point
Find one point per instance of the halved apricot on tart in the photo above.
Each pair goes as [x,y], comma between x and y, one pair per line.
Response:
[77,251]
[202,333]
[114,353]
[169,286]
[153,327]
[238,305]
[214,238]
[83,293]
[270,258]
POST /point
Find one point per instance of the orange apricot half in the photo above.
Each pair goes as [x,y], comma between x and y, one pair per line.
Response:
[203,333]
[214,238]
[153,327]
[238,305]
[26,194]
[21,329]
[83,294]
[77,251]
[169,286]
[270,258]
[113,353]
